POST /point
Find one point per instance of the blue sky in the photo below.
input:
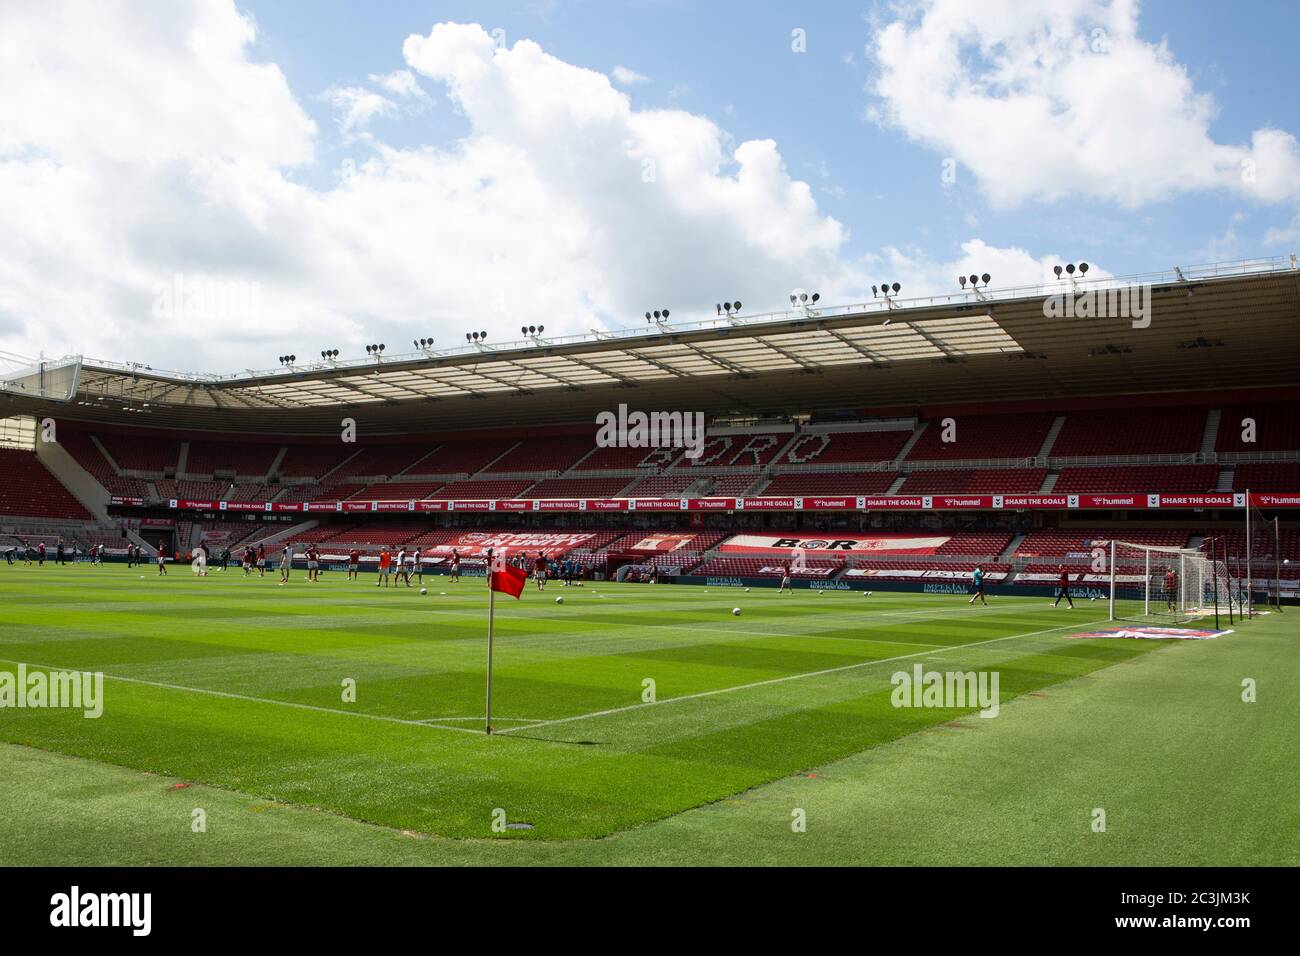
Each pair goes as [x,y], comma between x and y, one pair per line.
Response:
[381,172]
[733,62]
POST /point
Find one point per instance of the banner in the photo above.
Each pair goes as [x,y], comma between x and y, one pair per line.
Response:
[1118,501]
[850,545]
[476,543]
[663,543]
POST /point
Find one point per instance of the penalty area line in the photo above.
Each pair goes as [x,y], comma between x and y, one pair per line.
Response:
[789,677]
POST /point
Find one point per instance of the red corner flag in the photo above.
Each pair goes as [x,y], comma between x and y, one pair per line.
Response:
[507,579]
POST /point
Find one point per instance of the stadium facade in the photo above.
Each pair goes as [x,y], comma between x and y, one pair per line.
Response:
[887,443]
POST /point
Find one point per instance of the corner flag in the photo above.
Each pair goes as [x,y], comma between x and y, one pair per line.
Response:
[508,580]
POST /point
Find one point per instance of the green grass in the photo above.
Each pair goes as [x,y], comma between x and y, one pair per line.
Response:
[234,687]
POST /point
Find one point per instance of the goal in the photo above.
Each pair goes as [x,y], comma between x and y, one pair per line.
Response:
[1162,584]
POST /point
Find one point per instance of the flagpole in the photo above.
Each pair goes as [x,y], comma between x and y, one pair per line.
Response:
[492,594]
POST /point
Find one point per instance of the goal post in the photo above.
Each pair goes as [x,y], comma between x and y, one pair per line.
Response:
[1160,584]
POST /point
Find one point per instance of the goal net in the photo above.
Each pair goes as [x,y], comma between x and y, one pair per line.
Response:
[1160,584]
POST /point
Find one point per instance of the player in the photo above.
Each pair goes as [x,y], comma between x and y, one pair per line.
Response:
[58,553]
[454,573]
[1171,589]
[785,587]
[286,563]
[354,564]
[1063,587]
[539,571]
[385,562]
[40,554]
[418,560]
[261,560]
[313,563]
[977,582]
[162,559]
[399,571]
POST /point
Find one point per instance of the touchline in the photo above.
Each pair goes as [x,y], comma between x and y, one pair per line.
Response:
[77,690]
[103,909]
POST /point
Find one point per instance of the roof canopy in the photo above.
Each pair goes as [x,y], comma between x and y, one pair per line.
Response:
[1217,327]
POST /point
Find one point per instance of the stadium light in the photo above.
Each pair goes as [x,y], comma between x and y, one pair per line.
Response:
[974,281]
[1070,269]
[805,301]
[659,317]
[884,290]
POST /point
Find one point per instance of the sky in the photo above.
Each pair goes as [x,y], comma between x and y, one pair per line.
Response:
[207,185]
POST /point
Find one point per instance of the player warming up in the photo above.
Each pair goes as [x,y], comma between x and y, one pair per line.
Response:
[977,582]
[1063,586]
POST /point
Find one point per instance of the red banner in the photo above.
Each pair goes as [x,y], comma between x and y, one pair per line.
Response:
[1113,501]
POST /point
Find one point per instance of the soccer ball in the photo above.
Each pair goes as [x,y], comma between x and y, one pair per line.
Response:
[560,599]
[424,590]
[736,611]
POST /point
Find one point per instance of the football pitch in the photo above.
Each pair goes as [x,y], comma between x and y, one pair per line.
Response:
[340,723]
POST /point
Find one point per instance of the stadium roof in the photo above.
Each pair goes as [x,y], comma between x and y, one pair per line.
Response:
[1228,325]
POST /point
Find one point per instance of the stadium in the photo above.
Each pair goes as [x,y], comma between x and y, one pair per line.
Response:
[446,442]
[714,648]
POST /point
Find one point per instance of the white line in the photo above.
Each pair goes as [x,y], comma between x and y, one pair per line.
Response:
[790,677]
[245,697]
[479,717]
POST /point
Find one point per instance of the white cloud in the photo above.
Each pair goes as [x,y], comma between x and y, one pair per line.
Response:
[1283,236]
[625,77]
[400,83]
[357,106]
[678,91]
[562,205]
[1041,101]
[921,274]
